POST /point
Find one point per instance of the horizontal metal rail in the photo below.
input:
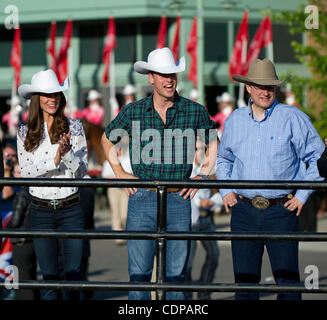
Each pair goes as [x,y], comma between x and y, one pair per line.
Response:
[145,286]
[169,235]
[161,234]
[200,184]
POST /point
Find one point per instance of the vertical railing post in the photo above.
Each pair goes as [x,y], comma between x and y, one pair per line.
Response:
[161,242]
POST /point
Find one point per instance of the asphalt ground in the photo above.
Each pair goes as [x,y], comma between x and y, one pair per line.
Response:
[108,261]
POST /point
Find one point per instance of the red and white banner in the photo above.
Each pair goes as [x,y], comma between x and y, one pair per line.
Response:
[162,33]
[175,44]
[238,58]
[62,59]
[110,45]
[261,39]
[191,48]
[52,46]
[16,57]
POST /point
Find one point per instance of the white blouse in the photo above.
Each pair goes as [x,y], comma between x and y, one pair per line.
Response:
[40,162]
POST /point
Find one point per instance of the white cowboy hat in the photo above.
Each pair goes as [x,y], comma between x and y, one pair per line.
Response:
[13,101]
[194,94]
[261,72]
[225,97]
[128,89]
[93,95]
[43,82]
[161,61]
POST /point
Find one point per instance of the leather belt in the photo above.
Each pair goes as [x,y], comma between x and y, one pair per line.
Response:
[56,203]
[168,189]
[263,203]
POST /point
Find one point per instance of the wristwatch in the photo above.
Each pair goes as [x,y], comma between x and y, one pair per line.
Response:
[203,176]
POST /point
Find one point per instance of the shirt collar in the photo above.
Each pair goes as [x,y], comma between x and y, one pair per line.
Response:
[177,103]
[267,111]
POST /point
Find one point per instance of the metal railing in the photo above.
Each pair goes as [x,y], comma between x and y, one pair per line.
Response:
[162,235]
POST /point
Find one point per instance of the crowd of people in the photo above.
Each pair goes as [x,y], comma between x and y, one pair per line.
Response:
[265,140]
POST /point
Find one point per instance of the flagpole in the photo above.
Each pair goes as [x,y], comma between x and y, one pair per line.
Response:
[240,101]
[112,86]
[200,54]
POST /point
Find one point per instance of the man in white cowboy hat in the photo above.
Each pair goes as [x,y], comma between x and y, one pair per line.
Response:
[266,140]
[148,122]
[225,106]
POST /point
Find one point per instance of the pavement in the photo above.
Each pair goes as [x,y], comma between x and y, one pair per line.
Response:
[108,261]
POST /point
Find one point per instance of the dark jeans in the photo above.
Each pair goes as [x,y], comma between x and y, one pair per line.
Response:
[25,260]
[247,255]
[47,249]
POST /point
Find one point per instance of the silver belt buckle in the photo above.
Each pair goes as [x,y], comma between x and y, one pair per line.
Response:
[260,203]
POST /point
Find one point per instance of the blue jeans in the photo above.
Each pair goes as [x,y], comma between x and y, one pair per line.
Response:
[247,255]
[142,216]
[47,249]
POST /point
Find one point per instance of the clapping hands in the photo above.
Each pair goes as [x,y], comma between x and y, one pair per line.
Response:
[64,147]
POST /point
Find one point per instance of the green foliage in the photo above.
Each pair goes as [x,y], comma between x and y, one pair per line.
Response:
[314,57]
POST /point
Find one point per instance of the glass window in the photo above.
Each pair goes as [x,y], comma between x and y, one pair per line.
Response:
[126,42]
[215,41]
[34,46]
[6,37]
[149,31]
[91,43]
[282,39]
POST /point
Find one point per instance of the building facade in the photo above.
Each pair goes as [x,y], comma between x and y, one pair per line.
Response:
[137,23]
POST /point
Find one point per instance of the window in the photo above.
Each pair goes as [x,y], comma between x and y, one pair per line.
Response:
[6,37]
[215,42]
[282,39]
[34,45]
[91,43]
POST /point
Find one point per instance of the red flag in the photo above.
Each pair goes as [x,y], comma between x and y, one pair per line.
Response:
[62,59]
[261,39]
[110,44]
[238,57]
[16,57]
[191,48]
[52,46]
[162,33]
[175,44]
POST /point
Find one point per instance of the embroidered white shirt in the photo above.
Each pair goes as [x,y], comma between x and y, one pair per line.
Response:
[40,162]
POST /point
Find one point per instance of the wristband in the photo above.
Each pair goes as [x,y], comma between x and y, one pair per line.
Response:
[203,176]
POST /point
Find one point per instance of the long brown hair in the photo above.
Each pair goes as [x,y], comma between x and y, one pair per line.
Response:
[35,123]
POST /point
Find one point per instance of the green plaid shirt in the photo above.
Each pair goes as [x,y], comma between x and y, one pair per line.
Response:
[158,150]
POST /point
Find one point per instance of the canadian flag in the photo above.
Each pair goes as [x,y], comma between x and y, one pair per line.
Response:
[16,58]
[162,33]
[52,46]
[175,44]
[261,39]
[62,59]
[238,58]
[110,45]
[191,48]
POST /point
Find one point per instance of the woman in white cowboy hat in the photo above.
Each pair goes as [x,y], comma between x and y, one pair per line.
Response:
[53,146]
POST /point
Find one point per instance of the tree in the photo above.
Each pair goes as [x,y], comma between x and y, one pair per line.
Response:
[312,21]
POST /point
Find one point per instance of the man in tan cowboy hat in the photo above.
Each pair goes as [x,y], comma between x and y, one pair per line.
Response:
[149,122]
[266,140]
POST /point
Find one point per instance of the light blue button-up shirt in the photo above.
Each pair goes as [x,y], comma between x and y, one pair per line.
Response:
[282,146]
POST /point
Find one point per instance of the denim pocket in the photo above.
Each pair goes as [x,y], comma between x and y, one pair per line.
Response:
[180,198]
[139,195]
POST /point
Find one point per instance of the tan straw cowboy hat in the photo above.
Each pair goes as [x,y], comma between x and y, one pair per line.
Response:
[261,72]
